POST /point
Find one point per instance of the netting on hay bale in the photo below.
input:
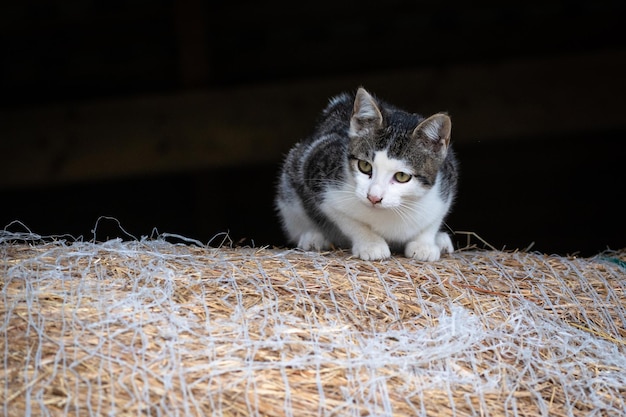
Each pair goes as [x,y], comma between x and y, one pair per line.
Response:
[155,328]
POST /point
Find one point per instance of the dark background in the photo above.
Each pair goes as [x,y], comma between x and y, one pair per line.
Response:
[541,165]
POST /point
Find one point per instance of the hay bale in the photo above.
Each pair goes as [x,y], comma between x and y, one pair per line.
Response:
[155,328]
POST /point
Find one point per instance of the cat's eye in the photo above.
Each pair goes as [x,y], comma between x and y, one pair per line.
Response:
[365,167]
[402,177]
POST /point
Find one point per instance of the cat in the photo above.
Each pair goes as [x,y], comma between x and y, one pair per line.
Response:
[372,178]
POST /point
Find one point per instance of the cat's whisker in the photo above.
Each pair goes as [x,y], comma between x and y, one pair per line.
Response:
[406,214]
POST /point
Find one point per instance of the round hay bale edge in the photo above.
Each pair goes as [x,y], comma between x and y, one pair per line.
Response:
[155,328]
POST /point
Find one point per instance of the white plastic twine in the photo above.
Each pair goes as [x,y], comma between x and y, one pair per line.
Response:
[517,343]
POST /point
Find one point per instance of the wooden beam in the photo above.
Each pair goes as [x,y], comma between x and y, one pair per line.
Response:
[145,135]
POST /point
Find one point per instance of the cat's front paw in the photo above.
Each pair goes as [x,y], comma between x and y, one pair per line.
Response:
[444,242]
[371,251]
[313,241]
[422,251]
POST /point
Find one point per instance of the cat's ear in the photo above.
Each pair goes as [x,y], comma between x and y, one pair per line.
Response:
[366,115]
[435,130]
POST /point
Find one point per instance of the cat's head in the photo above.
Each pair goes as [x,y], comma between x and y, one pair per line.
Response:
[394,156]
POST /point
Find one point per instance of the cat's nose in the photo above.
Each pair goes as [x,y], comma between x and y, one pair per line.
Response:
[374,199]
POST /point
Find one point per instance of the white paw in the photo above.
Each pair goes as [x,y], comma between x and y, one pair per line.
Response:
[313,241]
[422,251]
[443,241]
[371,251]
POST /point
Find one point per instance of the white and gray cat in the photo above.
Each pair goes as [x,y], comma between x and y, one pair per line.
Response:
[372,178]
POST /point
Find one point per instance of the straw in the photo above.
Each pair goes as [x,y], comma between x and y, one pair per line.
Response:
[148,327]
